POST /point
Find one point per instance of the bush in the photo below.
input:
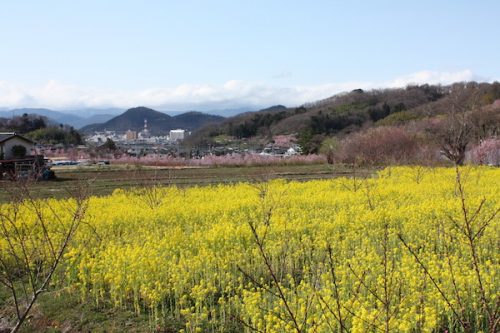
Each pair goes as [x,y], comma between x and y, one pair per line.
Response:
[18,151]
[380,145]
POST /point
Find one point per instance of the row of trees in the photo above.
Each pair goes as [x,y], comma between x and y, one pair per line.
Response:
[23,124]
[40,130]
[62,134]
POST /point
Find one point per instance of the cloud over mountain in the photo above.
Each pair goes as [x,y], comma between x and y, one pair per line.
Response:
[232,94]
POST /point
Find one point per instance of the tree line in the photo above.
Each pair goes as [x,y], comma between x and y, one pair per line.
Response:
[39,129]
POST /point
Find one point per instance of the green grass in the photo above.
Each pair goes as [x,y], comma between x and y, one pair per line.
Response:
[63,310]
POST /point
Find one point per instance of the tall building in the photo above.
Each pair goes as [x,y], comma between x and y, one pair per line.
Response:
[131,135]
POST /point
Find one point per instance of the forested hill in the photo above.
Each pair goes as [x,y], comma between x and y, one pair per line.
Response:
[40,129]
[349,112]
[158,122]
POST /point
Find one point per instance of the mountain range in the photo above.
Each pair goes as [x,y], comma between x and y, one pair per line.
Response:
[79,118]
[68,118]
[158,122]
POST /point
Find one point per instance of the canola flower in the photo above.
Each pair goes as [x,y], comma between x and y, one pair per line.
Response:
[387,253]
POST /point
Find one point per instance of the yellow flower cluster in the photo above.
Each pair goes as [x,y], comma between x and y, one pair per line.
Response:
[387,253]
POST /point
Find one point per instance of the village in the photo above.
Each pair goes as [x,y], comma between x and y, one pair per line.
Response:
[21,157]
[143,143]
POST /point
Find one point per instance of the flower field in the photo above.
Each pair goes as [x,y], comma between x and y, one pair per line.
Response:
[409,250]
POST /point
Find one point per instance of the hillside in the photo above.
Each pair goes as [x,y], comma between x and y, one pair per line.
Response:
[347,113]
[158,122]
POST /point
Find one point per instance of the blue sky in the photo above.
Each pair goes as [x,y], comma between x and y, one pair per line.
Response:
[224,54]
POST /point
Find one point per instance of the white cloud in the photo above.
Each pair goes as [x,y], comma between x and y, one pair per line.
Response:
[232,94]
[432,77]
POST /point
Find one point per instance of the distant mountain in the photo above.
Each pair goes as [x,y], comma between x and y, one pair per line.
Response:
[229,112]
[88,112]
[75,118]
[54,116]
[94,119]
[158,122]
[193,120]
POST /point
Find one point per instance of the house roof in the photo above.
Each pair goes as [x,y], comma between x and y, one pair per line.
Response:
[5,136]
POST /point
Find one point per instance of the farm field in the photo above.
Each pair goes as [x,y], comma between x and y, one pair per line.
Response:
[105,179]
[407,249]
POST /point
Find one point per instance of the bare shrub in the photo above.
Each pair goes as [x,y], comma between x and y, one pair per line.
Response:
[379,146]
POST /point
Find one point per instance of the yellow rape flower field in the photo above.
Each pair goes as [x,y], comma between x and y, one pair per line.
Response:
[410,249]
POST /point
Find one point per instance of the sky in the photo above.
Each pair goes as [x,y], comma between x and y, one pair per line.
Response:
[209,55]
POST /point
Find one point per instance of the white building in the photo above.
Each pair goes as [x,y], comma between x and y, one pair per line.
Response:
[101,137]
[177,134]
